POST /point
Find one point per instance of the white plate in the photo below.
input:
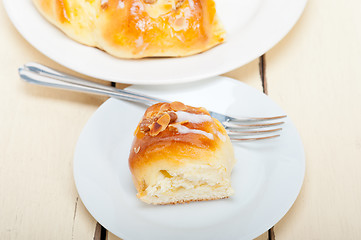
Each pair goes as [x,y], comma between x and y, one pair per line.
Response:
[253,26]
[267,177]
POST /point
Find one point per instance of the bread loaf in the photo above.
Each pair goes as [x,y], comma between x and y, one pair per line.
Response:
[138,28]
[180,154]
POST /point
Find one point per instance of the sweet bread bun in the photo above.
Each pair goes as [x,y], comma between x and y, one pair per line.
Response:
[180,154]
[138,28]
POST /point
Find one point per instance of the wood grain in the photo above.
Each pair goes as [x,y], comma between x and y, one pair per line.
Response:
[38,130]
[314,75]
[313,72]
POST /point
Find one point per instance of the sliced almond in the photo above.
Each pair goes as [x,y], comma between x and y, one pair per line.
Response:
[148,114]
[173,117]
[137,130]
[155,129]
[198,110]
[165,107]
[178,123]
[178,106]
[172,126]
[203,110]
[160,125]
[164,120]
[144,125]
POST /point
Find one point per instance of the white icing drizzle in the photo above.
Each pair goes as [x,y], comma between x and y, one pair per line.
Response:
[221,136]
[103,2]
[184,130]
[120,4]
[191,4]
[192,118]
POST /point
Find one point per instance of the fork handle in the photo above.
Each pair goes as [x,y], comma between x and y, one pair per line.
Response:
[42,75]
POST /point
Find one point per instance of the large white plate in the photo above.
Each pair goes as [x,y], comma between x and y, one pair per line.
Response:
[267,177]
[253,27]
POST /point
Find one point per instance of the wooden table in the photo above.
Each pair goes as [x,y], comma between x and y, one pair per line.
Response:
[313,74]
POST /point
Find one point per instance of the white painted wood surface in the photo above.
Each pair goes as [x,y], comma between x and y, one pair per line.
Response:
[38,130]
[313,74]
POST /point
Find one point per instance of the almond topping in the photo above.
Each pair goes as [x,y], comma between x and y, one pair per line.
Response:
[155,129]
[178,106]
[144,125]
[160,125]
[165,107]
[164,120]
[202,109]
[173,117]
[148,114]
[178,123]
[198,110]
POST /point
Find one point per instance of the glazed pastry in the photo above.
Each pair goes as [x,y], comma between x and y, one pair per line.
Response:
[138,28]
[180,154]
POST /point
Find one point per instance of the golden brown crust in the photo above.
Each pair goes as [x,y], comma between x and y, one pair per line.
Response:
[76,18]
[170,147]
[169,139]
[135,28]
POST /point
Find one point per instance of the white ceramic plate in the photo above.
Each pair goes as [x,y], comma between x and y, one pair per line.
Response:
[253,27]
[267,177]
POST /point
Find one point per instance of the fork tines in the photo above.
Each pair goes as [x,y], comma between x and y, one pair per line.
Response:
[251,129]
[254,119]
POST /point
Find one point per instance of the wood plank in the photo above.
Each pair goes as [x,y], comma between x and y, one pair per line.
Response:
[38,132]
[248,74]
[314,75]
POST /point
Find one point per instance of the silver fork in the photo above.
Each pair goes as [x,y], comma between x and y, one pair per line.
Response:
[239,129]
